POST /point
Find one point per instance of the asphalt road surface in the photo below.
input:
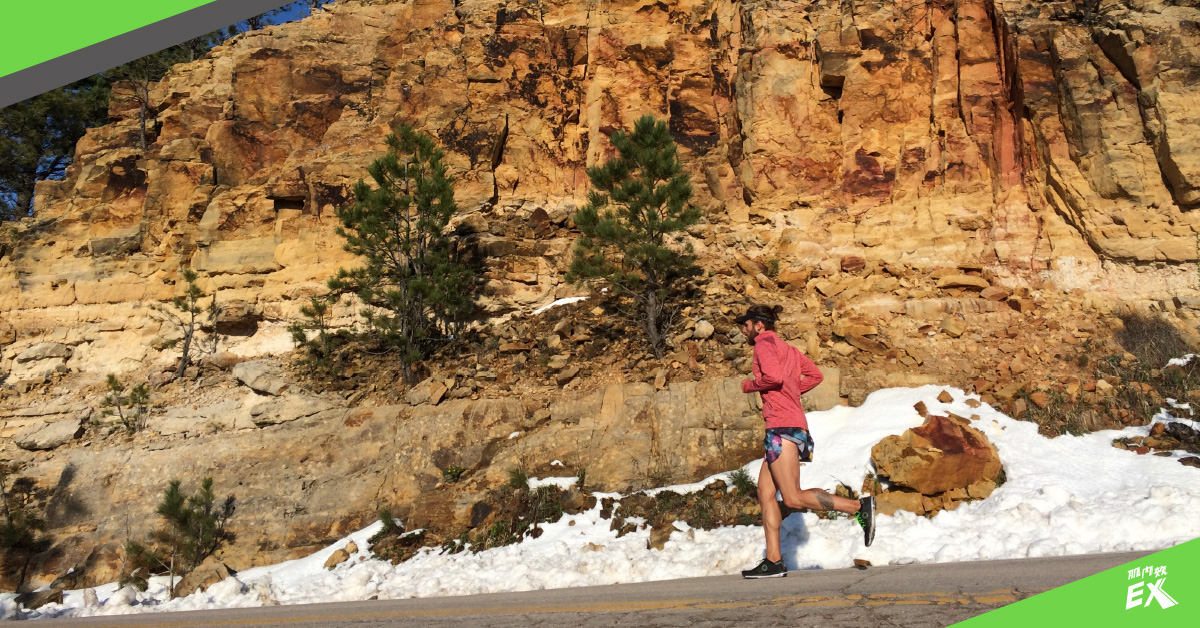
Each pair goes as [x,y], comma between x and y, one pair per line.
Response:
[905,595]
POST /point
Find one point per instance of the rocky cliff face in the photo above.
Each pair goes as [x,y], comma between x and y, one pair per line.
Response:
[305,469]
[1030,139]
[994,173]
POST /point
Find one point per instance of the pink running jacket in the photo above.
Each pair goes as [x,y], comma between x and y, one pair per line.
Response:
[781,374]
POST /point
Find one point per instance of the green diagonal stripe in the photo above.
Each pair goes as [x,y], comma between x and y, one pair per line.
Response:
[1133,594]
[39,31]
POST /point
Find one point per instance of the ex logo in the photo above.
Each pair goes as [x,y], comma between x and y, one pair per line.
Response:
[1155,593]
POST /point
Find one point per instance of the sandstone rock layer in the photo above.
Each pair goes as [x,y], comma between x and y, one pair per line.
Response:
[1027,138]
[1006,142]
[303,484]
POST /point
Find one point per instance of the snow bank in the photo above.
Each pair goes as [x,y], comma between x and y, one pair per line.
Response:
[1068,495]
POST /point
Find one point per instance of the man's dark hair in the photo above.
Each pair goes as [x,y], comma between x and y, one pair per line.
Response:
[765,314]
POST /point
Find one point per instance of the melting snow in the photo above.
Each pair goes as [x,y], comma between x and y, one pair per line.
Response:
[558,303]
[1067,495]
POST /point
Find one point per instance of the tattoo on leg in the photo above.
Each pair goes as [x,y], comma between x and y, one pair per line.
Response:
[823,498]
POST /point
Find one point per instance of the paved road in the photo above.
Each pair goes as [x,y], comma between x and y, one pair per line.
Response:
[908,596]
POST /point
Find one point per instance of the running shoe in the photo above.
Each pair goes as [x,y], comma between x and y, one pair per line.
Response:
[866,518]
[767,569]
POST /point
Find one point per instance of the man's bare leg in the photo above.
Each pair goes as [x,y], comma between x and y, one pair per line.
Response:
[771,515]
[785,472]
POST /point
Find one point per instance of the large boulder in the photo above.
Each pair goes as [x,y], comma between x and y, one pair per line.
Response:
[336,558]
[942,454]
[49,435]
[44,351]
[223,415]
[210,572]
[15,419]
[38,599]
[287,408]
[40,361]
[429,391]
[262,376]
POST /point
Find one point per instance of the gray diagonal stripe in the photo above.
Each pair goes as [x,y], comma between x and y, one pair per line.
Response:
[110,53]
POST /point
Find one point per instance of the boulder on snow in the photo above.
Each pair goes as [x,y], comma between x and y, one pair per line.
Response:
[888,502]
[210,572]
[336,558]
[659,535]
[940,455]
[38,599]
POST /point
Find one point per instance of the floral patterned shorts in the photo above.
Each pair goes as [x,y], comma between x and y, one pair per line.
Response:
[773,443]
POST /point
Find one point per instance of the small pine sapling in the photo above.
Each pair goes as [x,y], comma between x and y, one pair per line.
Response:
[742,483]
[388,522]
[193,528]
[189,320]
[131,408]
[517,479]
[321,348]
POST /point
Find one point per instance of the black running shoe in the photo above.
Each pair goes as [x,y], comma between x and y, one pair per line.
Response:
[767,569]
[866,518]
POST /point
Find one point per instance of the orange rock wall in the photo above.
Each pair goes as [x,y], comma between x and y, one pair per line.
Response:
[1031,139]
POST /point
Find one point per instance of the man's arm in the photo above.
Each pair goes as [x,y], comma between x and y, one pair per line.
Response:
[770,368]
[811,376]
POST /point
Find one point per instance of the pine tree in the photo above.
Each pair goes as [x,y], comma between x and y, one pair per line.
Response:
[131,408]
[190,318]
[416,287]
[321,346]
[193,529]
[140,76]
[38,136]
[20,525]
[637,210]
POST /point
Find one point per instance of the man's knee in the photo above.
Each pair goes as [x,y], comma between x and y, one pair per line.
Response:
[794,500]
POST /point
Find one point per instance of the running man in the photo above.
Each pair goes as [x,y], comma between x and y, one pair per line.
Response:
[782,373]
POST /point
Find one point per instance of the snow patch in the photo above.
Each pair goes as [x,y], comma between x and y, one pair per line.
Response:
[1067,495]
[558,302]
[1181,361]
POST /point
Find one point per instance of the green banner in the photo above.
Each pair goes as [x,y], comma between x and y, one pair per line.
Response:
[1164,586]
[51,45]
[38,32]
